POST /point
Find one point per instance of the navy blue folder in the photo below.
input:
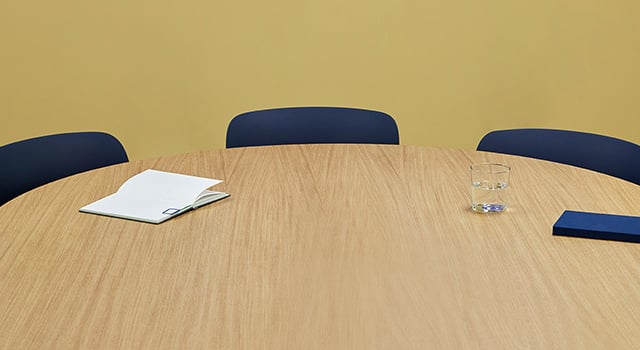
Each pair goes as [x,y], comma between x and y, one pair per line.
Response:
[598,226]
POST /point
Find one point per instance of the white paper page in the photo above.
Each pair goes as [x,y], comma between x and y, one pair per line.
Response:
[143,209]
[152,196]
[182,189]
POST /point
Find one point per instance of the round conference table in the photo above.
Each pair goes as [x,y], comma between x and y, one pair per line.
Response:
[322,247]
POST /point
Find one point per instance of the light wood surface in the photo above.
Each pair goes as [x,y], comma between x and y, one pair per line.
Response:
[322,247]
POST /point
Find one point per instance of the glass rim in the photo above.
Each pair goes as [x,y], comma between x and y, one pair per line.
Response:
[503,167]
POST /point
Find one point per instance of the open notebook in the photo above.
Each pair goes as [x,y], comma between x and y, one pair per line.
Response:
[155,196]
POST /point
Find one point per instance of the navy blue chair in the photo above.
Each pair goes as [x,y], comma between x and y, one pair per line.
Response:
[600,153]
[33,162]
[303,125]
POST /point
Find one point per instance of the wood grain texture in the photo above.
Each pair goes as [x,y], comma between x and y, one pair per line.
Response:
[322,247]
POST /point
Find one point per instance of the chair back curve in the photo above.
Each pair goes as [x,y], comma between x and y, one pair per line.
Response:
[302,125]
[601,153]
[33,162]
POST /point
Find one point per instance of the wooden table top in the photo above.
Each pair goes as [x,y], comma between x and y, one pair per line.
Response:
[322,247]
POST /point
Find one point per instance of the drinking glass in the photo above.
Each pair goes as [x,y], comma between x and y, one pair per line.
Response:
[489,187]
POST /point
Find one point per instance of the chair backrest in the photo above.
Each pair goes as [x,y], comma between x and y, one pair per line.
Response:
[300,125]
[600,153]
[33,162]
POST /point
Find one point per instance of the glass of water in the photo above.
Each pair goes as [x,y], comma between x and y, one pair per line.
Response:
[489,187]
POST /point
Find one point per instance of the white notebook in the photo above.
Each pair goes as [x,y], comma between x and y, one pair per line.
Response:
[155,196]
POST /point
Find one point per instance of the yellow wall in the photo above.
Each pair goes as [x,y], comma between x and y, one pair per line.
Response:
[166,76]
